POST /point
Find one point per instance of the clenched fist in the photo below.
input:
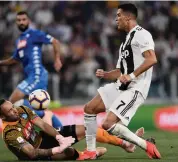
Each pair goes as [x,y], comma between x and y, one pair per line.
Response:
[100,73]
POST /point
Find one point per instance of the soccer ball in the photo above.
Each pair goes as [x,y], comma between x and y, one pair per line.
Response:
[39,99]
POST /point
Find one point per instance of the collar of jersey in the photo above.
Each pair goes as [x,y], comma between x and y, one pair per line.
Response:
[26,31]
[132,29]
[5,123]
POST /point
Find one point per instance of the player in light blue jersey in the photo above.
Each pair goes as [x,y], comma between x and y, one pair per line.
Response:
[29,52]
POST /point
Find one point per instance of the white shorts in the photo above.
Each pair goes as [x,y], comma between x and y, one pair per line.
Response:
[123,104]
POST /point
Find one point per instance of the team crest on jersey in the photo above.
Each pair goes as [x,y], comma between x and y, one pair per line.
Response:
[24,116]
[21,44]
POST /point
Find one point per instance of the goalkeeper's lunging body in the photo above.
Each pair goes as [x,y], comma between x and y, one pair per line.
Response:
[30,138]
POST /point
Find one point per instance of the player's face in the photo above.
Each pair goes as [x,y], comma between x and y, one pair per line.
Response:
[121,20]
[22,22]
[9,112]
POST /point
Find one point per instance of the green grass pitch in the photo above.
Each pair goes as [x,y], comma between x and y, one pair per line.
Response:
[167,144]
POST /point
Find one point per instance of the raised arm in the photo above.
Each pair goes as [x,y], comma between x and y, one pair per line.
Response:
[57,61]
[42,37]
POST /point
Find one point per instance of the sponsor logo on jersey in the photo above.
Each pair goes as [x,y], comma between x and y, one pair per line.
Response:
[20,140]
[21,44]
[125,53]
[27,130]
[167,118]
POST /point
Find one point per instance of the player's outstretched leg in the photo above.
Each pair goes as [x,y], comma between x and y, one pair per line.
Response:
[130,147]
[104,137]
[119,117]
[150,148]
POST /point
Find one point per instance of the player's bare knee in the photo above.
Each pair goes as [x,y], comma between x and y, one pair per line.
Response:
[86,109]
[107,125]
[110,121]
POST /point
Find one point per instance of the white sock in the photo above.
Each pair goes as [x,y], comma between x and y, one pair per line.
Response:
[90,131]
[124,132]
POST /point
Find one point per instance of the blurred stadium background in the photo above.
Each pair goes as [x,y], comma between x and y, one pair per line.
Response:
[90,40]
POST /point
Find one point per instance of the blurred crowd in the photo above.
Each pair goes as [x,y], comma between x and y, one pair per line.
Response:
[90,40]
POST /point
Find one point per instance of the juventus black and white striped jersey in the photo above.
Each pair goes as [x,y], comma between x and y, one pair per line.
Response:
[137,41]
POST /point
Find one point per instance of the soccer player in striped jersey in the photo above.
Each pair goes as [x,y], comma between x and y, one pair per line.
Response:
[122,98]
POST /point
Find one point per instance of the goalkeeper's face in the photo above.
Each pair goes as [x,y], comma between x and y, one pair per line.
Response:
[8,112]
[22,22]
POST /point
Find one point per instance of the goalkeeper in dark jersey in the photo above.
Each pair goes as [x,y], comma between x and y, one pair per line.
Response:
[29,138]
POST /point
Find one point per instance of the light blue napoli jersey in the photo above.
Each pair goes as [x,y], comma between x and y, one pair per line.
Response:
[29,52]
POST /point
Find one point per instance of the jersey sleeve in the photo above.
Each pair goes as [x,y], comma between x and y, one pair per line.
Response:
[14,138]
[42,37]
[145,41]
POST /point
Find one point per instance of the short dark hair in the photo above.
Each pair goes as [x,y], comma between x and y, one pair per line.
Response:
[1,103]
[22,13]
[129,7]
